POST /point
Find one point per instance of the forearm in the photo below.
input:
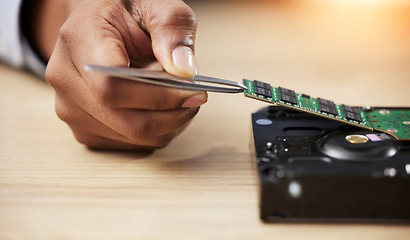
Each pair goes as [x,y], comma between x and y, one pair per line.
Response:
[41,21]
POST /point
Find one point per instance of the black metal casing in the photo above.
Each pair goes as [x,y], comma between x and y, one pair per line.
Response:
[309,171]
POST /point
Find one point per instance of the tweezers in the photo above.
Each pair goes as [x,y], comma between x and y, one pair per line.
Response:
[165,79]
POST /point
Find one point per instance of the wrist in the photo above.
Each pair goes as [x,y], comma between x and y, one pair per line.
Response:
[41,21]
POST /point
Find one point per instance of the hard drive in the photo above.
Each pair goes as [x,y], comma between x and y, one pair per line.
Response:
[316,169]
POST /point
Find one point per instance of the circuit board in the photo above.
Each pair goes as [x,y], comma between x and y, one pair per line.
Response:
[395,122]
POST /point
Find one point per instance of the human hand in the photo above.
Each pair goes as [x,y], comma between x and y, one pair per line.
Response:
[112,113]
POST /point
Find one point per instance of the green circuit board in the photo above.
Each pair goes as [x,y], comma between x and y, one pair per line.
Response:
[394,122]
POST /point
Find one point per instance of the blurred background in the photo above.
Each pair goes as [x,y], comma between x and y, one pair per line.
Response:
[351,51]
[204,184]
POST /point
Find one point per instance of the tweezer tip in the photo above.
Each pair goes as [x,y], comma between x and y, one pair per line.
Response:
[243,87]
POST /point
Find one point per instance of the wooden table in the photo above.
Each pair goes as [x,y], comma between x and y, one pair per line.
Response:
[204,184]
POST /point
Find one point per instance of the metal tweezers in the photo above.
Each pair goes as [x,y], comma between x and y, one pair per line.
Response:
[165,79]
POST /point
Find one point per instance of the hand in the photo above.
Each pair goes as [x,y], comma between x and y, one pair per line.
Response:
[112,113]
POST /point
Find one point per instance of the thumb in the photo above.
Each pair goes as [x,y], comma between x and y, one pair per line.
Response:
[172,26]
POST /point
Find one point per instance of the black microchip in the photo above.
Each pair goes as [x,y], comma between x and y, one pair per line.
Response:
[347,108]
[328,109]
[264,92]
[286,91]
[326,102]
[260,84]
[289,99]
[327,106]
[353,116]
[287,95]
[351,113]
[305,96]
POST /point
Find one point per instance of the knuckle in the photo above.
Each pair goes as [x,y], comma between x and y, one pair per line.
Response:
[67,31]
[183,14]
[181,17]
[70,28]
[63,113]
[52,76]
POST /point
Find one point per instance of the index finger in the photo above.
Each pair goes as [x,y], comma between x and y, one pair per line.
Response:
[121,93]
[102,43]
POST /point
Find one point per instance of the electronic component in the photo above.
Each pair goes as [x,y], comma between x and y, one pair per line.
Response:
[350,109]
[395,122]
[262,88]
[351,113]
[316,169]
[264,92]
[327,106]
[353,116]
[260,84]
[287,95]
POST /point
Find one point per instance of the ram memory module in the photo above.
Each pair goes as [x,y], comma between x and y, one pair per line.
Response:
[393,122]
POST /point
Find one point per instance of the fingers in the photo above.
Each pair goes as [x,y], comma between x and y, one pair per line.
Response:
[149,129]
[172,26]
[73,101]
[110,41]
[119,93]
[109,112]
[114,93]
[95,41]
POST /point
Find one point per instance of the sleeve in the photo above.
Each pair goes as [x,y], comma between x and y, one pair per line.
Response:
[14,47]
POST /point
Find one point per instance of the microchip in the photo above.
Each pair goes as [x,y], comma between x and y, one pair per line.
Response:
[328,109]
[286,91]
[264,92]
[288,98]
[287,95]
[351,113]
[260,84]
[327,106]
[370,119]
[347,108]
[325,102]
[353,116]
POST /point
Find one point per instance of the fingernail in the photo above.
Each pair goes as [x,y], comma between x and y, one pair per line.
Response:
[195,101]
[184,60]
